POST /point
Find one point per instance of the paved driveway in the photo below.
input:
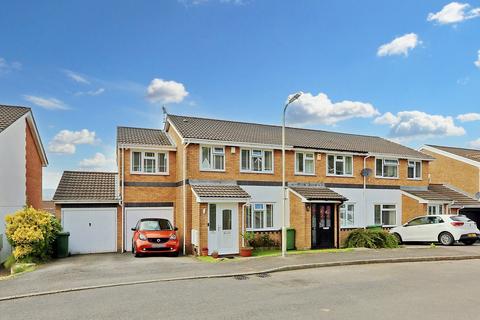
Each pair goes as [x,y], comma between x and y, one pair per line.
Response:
[101,269]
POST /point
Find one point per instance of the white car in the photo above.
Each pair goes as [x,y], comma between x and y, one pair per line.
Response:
[445,229]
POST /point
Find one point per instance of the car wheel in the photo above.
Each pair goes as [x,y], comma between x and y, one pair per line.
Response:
[446,238]
[468,242]
[134,251]
[398,237]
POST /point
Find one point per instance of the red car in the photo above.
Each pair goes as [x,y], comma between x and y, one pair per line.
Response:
[153,235]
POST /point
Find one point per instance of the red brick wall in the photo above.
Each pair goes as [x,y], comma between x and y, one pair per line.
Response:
[33,171]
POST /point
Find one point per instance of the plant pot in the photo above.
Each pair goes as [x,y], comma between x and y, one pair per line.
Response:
[204,252]
[246,252]
[215,255]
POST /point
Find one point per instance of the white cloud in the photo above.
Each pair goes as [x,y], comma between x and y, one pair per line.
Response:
[76,77]
[98,162]
[416,124]
[468,117]
[399,45]
[164,91]
[454,12]
[97,92]
[47,103]
[6,66]
[320,109]
[475,144]
[477,63]
[65,141]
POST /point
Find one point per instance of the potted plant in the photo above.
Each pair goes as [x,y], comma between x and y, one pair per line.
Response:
[215,254]
[204,251]
[246,251]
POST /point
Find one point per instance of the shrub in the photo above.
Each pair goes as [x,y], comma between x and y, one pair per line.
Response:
[32,233]
[259,240]
[371,238]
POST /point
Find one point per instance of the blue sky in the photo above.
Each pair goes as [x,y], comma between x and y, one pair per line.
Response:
[406,70]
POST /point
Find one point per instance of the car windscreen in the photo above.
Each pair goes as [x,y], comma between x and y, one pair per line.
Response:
[460,218]
[155,225]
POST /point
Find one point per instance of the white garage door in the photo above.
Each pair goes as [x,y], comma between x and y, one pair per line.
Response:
[132,215]
[92,230]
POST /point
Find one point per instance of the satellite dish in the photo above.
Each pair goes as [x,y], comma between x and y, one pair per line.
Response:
[367,172]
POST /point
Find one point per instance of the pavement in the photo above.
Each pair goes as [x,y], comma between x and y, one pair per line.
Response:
[86,271]
[428,291]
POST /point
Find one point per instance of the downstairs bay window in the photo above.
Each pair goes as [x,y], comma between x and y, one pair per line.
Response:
[386,214]
[259,216]
[347,215]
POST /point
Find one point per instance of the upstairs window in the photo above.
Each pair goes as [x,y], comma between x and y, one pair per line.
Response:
[256,160]
[414,169]
[386,168]
[149,162]
[339,165]
[212,158]
[304,163]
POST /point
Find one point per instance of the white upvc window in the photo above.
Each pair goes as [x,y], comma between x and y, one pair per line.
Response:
[434,209]
[339,165]
[347,215]
[256,160]
[212,158]
[386,214]
[305,163]
[414,170]
[386,168]
[259,216]
[149,162]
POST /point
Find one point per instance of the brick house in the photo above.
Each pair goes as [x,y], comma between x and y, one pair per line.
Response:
[21,170]
[216,179]
[458,169]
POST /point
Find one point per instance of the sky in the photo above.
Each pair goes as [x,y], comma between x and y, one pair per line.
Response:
[405,70]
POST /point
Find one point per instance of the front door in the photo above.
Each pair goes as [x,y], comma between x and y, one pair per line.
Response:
[323,225]
[223,228]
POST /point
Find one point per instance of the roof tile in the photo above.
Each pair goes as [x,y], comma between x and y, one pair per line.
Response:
[142,136]
[87,186]
[10,114]
[318,193]
[220,191]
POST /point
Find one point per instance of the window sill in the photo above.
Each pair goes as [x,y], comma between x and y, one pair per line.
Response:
[211,170]
[254,172]
[262,230]
[415,179]
[388,178]
[149,174]
[340,176]
[305,174]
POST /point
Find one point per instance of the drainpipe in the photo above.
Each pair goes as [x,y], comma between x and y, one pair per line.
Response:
[121,198]
[185,196]
[243,223]
[365,188]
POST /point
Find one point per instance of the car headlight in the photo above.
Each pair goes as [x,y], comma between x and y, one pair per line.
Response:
[173,236]
[142,237]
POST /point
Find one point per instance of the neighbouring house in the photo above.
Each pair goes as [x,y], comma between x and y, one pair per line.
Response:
[216,179]
[458,168]
[21,162]
[88,206]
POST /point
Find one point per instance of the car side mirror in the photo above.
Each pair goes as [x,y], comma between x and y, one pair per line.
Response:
[134,229]
[175,229]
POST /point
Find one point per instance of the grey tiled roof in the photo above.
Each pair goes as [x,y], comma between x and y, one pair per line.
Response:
[471,154]
[439,192]
[220,191]
[318,193]
[87,186]
[142,136]
[222,130]
[10,114]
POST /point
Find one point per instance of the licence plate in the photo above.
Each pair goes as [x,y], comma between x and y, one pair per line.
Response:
[158,245]
[472,235]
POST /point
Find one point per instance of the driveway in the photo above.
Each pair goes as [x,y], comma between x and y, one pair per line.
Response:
[103,269]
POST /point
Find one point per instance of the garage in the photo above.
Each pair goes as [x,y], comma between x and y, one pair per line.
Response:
[92,230]
[132,215]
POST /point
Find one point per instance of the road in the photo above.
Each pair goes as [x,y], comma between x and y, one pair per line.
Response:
[432,290]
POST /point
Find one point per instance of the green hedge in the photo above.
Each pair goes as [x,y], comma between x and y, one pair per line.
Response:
[371,238]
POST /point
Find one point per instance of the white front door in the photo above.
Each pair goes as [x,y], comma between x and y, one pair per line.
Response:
[223,228]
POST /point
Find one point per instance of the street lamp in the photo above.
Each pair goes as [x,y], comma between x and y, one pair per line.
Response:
[284,189]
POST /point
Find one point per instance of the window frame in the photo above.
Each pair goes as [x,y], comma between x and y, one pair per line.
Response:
[334,174]
[439,208]
[303,173]
[414,169]
[383,167]
[381,213]
[212,158]
[156,160]
[346,204]
[250,160]
[250,210]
